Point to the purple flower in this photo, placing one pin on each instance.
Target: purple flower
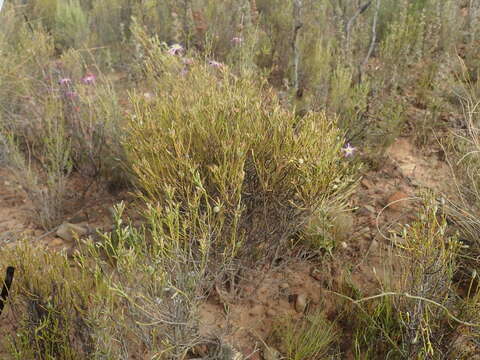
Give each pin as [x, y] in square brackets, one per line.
[215, 64]
[237, 40]
[348, 150]
[65, 81]
[175, 49]
[89, 79]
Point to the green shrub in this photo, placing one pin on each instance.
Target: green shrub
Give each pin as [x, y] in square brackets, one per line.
[51, 301]
[413, 323]
[71, 24]
[309, 338]
[258, 167]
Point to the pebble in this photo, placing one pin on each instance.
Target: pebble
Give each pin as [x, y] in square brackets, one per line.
[271, 313]
[68, 231]
[284, 286]
[301, 303]
[370, 208]
[57, 242]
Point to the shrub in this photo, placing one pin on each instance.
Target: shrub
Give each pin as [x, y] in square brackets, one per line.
[309, 338]
[260, 169]
[51, 304]
[159, 279]
[413, 323]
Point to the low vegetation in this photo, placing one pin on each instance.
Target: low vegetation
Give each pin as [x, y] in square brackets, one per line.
[241, 130]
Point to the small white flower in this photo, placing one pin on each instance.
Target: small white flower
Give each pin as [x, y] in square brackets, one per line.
[216, 209]
[300, 161]
[349, 150]
[175, 49]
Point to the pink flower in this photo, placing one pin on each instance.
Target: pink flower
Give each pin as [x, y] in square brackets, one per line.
[175, 49]
[65, 81]
[89, 79]
[348, 150]
[216, 64]
[237, 40]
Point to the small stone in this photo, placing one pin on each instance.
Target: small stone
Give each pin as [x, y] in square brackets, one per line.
[344, 245]
[256, 310]
[284, 286]
[201, 350]
[57, 242]
[68, 231]
[301, 303]
[370, 208]
[271, 313]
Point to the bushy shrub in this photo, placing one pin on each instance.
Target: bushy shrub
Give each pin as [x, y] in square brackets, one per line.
[51, 304]
[310, 338]
[414, 322]
[259, 168]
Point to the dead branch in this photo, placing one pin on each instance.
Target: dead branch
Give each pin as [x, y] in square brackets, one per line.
[350, 22]
[297, 24]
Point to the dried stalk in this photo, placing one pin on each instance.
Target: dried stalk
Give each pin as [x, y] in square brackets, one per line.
[297, 24]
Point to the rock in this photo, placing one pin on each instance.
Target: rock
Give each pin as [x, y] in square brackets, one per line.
[271, 313]
[69, 232]
[256, 310]
[397, 201]
[201, 350]
[370, 209]
[284, 286]
[55, 243]
[301, 303]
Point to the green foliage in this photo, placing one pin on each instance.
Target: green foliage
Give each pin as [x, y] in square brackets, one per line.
[71, 24]
[228, 167]
[408, 320]
[52, 300]
[310, 338]
[160, 275]
[207, 131]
